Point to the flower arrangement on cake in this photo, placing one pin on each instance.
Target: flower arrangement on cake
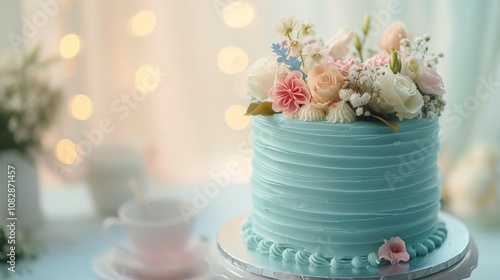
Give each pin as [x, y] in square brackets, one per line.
[316, 198]
[311, 81]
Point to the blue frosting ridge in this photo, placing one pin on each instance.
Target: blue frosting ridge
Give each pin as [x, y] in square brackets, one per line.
[335, 191]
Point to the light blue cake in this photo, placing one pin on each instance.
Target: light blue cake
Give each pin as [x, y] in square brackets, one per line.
[330, 194]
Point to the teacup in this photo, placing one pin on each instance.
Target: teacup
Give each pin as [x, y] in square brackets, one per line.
[157, 229]
[109, 171]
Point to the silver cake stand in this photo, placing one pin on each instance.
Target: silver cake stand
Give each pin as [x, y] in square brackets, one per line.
[455, 259]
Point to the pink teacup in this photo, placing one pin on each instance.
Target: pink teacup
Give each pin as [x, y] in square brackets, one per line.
[158, 231]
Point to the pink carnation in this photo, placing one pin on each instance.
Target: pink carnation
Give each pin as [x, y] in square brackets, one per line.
[429, 82]
[378, 60]
[289, 92]
[393, 250]
[343, 65]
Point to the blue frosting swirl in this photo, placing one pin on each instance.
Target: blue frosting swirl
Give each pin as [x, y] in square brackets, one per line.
[319, 260]
[360, 262]
[253, 241]
[429, 244]
[412, 252]
[289, 254]
[302, 257]
[373, 259]
[341, 262]
[264, 246]
[421, 249]
[276, 250]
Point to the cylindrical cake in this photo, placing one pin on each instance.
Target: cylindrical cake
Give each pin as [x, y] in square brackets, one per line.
[338, 190]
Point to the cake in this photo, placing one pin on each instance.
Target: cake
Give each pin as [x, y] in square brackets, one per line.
[327, 193]
[345, 150]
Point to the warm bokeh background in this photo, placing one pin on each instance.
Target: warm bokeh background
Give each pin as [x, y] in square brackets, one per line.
[170, 77]
[191, 57]
[158, 87]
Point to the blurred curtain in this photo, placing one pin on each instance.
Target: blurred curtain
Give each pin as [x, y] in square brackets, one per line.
[181, 126]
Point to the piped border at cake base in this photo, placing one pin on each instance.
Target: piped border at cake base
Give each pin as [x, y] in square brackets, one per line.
[291, 253]
[232, 248]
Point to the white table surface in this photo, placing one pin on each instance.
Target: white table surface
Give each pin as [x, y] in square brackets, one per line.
[73, 234]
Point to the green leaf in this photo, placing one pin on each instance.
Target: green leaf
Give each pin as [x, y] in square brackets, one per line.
[394, 61]
[357, 42]
[394, 125]
[366, 23]
[260, 108]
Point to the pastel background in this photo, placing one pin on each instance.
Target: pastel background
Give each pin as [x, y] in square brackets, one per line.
[155, 92]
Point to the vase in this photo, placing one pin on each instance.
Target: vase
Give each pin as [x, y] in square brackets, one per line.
[27, 193]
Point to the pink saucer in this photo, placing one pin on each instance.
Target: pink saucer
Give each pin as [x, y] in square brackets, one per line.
[187, 265]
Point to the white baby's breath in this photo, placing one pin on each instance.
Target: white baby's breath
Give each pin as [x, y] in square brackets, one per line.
[359, 111]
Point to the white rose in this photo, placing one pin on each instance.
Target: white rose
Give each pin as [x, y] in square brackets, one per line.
[411, 67]
[400, 92]
[261, 76]
[339, 44]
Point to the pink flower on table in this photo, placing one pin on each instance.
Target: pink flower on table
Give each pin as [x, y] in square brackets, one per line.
[429, 82]
[378, 60]
[343, 65]
[393, 250]
[392, 36]
[289, 92]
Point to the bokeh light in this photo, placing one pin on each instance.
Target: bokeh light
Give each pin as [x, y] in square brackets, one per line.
[147, 77]
[66, 151]
[143, 23]
[81, 107]
[238, 14]
[69, 46]
[232, 60]
[236, 118]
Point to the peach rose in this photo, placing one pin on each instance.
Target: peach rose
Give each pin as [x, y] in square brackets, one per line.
[392, 36]
[324, 83]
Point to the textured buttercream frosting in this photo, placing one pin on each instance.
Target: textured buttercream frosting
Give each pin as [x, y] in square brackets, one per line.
[329, 193]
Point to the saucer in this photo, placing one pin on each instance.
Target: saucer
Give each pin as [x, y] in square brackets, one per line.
[112, 264]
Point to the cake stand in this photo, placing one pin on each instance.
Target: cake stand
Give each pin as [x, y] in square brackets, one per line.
[455, 259]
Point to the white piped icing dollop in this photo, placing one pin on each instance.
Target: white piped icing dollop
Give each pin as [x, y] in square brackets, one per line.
[310, 113]
[340, 112]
